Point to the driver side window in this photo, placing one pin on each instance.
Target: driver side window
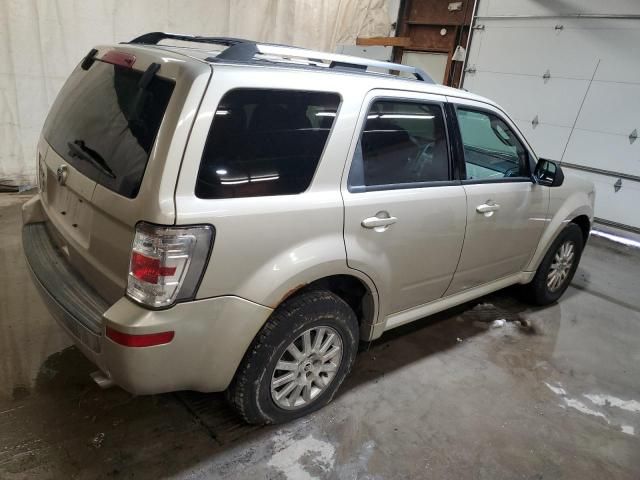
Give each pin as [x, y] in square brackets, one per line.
[491, 149]
[403, 144]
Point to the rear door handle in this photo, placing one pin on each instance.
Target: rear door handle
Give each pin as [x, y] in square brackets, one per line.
[378, 222]
[488, 208]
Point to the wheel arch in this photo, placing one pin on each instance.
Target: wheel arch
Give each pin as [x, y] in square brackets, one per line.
[585, 226]
[354, 291]
[580, 215]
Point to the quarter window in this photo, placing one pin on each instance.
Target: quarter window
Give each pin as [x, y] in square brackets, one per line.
[491, 149]
[403, 144]
[265, 142]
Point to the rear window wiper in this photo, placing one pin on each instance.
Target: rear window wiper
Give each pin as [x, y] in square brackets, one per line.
[78, 149]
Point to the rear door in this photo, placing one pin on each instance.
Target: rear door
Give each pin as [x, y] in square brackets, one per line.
[506, 211]
[110, 152]
[404, 213]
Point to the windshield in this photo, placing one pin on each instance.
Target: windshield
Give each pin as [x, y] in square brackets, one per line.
[104, 124]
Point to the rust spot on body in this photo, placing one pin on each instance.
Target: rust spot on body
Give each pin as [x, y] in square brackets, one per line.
[290, 293]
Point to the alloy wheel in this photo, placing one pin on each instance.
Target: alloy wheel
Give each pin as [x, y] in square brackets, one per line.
[561, 266]
[306, 368]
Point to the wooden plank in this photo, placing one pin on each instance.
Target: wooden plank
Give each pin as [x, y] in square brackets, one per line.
[436, 12]
[384, 41]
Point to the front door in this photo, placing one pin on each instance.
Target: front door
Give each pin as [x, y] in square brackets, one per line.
[506, 211]
[404, 214]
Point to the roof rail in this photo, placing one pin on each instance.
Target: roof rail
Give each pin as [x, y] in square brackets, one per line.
[240, 50]
[153, 38]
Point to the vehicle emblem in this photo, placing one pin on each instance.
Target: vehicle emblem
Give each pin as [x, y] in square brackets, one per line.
[61, 174]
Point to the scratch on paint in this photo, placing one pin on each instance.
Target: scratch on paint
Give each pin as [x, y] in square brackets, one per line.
[11, 409]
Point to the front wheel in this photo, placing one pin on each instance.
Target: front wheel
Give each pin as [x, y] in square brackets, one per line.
[557, 267]
[298, 360]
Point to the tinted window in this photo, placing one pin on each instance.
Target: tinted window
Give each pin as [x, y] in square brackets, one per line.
[491, 150]
[402, 143]
[105, 125]
[265, 142]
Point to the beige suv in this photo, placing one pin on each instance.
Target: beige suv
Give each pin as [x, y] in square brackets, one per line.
[226, 215]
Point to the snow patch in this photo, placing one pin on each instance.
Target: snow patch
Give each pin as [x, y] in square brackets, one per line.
[600, 400]
[558, 390]
[603, 400]
[628, 429]
[581, 407]
[304, 459]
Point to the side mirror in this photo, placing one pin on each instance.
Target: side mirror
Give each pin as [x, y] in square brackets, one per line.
[548, 173]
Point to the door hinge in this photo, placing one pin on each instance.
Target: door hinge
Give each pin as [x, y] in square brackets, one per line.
[480, 26]
[617, 186]
[535, 121]
[546, 75]
[470, 70]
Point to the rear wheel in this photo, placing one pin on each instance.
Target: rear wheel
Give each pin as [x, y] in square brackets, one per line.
[557, 267]
[299, 359]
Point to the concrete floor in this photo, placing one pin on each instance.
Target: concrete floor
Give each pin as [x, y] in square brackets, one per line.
[555, 393]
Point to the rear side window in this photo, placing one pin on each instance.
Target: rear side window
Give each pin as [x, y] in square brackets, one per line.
[403, 144]
[265, 142]
[104, 124]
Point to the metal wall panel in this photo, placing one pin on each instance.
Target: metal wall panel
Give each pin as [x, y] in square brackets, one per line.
[586, 106]
[532, 50]
[547, 140]
[526, 97]
[555, 7]
[605, 151]
[620, 207]
[611, 107]
[374, 52]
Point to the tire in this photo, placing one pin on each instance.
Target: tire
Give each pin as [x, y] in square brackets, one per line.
[318, 313]
[538, 291]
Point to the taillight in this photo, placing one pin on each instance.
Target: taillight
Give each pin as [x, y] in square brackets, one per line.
[167, 263]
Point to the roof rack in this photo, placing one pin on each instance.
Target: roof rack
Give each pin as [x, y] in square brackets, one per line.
[240, 50]
[153, 38]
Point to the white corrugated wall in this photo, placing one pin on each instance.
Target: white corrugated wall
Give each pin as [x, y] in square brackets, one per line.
[42, 40]
[586, 108]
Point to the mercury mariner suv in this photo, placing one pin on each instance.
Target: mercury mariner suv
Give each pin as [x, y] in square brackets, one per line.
[217, 214]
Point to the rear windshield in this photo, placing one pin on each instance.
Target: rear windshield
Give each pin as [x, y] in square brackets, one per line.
[265, 142]
[104, 124]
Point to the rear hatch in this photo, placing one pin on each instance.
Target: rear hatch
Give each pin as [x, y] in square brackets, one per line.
[110, 153]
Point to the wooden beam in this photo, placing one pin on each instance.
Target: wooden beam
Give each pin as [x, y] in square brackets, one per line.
[384, 41]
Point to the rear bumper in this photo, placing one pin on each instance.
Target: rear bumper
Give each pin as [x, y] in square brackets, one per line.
[211, 335]
[76, 307]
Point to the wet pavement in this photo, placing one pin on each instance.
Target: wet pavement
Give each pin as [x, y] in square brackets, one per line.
[547, 393]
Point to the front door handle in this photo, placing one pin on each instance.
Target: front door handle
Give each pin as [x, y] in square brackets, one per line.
[488, 208]
[379, 222]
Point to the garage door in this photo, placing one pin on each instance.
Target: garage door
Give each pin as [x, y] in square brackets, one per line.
[569, 74]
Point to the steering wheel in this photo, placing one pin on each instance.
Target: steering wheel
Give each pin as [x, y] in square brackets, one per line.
[512, 172]
[418, 161]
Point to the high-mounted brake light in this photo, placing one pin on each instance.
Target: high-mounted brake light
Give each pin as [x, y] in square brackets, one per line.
[119, 58]
[167, 263]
